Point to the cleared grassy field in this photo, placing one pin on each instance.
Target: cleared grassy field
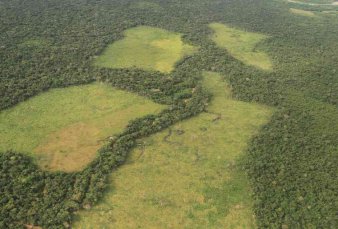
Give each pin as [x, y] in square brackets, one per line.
[302, 12]
[188, 176]
[241, 45]
[314, 2]
[146, 48]
[63, 128]
[318, 1]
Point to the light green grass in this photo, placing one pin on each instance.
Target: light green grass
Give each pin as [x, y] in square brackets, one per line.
[314, 2]
[63, 128]
[318, 1]
[189, 178]
[330, 12]
[146, 48]
[241, 45]
[302, 12]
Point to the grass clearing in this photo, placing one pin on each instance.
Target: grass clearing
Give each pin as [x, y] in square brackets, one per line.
[241, 45]
[146, 48]
[63, 128]
[302, 12]
[315, 2]
[319, 1]
[188, 176]
[330, 12]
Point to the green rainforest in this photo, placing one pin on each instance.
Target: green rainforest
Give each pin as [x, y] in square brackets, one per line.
[168, 114]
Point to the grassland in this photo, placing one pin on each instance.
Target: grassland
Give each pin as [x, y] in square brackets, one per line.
[314, 2]
[319, 1]
[314, 8]
[63, 128]
[330, 12]
[189, 176]
[146, 48]
[302, 12]
[241, 45]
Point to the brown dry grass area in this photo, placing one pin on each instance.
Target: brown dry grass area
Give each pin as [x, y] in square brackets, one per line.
[27, 226]
[71, 148]
[75, 146]
[62, 129]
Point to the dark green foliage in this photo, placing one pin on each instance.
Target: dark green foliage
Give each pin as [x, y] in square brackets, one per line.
[292, 163]
[294, 170]
[27, 193]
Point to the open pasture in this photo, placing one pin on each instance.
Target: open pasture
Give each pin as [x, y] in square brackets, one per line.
[242, 45]
[63, 128]
[302, 12]
[189, 176]
[315, 2]
[146, 48]
[311, 7]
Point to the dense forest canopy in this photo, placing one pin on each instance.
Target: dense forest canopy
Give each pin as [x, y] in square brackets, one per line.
[292, 162]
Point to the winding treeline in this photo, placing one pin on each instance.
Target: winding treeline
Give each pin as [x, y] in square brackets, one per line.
[292, 163]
